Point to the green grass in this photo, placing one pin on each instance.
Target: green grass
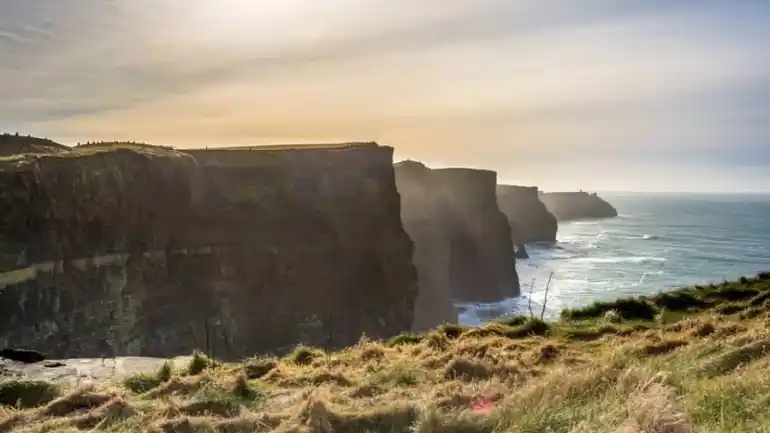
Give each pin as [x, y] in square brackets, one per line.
[141, 383]
[27, 393]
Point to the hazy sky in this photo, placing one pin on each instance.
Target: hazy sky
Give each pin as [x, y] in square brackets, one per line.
[592, 94]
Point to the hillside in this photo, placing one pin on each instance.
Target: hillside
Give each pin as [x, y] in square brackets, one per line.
[685, 361]
[12, 144]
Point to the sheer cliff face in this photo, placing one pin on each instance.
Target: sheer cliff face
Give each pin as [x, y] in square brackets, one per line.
[567, 206]
[322, 255]
[529, 219]
[80, 235]
[463, 243]
[482, 262]
[422, 210]
[232, 251]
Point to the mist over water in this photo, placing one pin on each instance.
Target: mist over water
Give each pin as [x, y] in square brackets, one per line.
[658, 242]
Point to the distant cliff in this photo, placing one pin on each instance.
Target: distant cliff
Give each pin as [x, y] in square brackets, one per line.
[424, 213]
[482, 262]
[567, 206]
[137, 250]
[529, 219]
[13, 144]
[463, 248]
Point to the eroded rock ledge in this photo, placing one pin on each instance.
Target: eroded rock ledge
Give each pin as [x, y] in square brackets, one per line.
[568, 206]
[529, 219]
[463, 248]
[134, 250]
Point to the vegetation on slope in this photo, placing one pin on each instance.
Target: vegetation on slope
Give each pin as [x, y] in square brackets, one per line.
[12, 144]
[119, 144]
[298, 146]
[693, 360]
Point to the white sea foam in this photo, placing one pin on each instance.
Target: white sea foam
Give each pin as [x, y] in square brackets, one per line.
[620, 259]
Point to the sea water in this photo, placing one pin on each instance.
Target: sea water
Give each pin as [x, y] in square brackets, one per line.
[658, 242]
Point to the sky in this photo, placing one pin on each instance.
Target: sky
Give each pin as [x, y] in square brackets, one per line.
[631, 95]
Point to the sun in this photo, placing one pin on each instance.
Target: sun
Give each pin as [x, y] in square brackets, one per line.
[256, 14]
[254, 23]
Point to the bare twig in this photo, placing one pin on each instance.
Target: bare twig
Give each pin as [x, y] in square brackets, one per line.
[208, 342]
[328, 331]
[545, 297]
[529, 298]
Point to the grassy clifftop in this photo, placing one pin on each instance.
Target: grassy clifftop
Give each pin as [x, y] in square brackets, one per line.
[12, 144]
[693, 360]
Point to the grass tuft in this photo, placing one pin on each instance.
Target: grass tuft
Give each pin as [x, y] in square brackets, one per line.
[22, 393]
[304, 355]
[144, 382]
[198, 363]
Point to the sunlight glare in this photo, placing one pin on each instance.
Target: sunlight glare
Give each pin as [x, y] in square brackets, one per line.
[252, 20]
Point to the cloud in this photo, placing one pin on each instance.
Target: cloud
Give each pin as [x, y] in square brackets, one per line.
[486, 83]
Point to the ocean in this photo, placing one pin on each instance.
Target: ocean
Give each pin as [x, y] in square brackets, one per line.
[658, 242]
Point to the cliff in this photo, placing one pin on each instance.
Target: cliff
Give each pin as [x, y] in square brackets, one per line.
[567, 206]
[482, 263]
[462, 239]
[529, 219]
[322, 255]
[13, 144]
[135, 250]
[423, 213]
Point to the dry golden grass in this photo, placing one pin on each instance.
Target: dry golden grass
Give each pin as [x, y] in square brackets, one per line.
[705, 371]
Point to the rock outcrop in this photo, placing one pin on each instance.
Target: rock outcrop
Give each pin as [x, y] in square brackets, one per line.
[462, 240]
[144, 251]
[568, 206]
[529, 219]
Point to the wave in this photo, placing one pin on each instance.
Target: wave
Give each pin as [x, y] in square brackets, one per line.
[582, 223]
[641, 238]
[621, 259]
[642, 279]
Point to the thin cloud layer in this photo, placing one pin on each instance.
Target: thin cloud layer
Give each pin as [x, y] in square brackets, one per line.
[545, 92]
